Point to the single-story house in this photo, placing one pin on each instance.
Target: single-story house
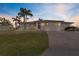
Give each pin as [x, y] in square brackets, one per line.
[46, 25]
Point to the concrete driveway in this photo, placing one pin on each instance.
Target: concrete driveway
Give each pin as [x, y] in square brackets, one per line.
[62, 43]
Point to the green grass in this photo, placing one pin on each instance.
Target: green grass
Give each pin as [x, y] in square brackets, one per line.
[23, 43]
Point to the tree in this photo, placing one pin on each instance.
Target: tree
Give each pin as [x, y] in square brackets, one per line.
[40, 19]
[17, 21]
[4, 22]
[24, 13]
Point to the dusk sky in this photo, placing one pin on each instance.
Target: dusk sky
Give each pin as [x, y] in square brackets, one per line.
[49, 11]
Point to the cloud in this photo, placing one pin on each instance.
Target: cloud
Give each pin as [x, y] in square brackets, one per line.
[61, 8]
[76, 21]
[54, 11]
[50, 11]
[8, 17]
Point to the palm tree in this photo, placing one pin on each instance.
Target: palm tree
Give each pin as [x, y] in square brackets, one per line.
[24, 13]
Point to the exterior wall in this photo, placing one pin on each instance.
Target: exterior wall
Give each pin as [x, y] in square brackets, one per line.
[44, 26]
[31, 26]
[28, 26]
[36, 26]
[54, 26]
[50, 26]
[21, 27]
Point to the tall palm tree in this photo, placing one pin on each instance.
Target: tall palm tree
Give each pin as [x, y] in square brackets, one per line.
[24, 13]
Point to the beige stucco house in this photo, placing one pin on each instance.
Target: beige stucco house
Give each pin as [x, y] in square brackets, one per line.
[46, 25]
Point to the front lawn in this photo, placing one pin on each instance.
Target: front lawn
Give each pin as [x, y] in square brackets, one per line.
[23, 43]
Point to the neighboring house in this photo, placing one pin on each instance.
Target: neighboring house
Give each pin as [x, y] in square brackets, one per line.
[46, 25]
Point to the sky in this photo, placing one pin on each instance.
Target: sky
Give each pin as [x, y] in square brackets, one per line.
[46, 11]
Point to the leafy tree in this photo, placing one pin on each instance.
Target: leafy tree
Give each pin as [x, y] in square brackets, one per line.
[17, 21]
[5, 22]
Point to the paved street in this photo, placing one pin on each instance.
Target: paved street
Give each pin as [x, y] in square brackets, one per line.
[62, 44]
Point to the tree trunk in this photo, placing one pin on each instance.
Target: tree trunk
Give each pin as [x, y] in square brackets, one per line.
[24, 24]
